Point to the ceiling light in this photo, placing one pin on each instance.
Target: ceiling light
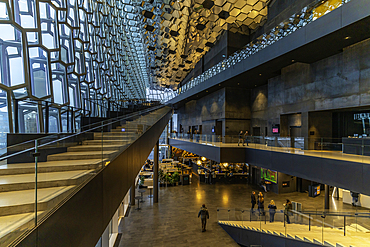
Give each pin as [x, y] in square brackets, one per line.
[348, 37]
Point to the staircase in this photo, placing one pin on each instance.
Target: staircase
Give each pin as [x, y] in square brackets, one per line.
[316, 236]
[59, 175]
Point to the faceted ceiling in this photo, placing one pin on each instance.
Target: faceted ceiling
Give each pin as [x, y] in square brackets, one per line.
[177, 34]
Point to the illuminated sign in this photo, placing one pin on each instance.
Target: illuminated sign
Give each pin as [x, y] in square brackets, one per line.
[269, 175]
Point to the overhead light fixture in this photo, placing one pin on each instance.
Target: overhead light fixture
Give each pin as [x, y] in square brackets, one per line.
[260, 74]
[348, 37]
[293, 60]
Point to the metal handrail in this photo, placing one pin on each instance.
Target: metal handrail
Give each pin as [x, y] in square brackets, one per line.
[100, 125]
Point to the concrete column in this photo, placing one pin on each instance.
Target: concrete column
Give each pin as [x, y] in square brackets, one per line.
[326, 196]
[155, 175]
[305, 129]
[132, 194]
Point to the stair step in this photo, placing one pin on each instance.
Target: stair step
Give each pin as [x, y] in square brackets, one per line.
[84, 148]
[51, 166]
[81, 155]
[106, 142]
[19, 202]
[110, 137]
[327, 243]
[9, 224]
[44, 180]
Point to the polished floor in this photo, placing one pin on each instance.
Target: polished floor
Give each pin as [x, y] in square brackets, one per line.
[173, 221]
[337, 155]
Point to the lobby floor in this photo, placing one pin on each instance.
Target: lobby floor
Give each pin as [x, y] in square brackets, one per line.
[173, 221]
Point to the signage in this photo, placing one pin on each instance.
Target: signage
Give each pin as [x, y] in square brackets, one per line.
[269, 175]
[275, 130]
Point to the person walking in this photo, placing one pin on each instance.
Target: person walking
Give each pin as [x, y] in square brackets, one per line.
[253, 200]
[204, 215]
[260, 204]
[272, 210]
[240, 137]
[245, 140]
[287, 209]
[206, 176]
[213, 178]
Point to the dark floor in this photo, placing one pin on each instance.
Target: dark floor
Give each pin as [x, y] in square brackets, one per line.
[173, 221]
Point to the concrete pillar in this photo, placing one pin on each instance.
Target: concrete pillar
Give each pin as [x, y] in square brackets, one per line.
[155, 175]
[327, 196]
[305, 129]
[132, 194]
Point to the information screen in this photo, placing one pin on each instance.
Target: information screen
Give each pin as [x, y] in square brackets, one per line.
[275, 130]
[269, 175]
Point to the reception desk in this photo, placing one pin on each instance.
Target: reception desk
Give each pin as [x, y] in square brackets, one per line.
[359, 146]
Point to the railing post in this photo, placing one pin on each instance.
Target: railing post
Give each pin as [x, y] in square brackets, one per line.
[309, 222]
[344, 223]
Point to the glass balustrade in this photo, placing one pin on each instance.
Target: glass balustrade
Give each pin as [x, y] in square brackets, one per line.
[350, 149]
[343, 228]
[39, 175]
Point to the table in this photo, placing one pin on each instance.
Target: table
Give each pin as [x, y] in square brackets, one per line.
[138, 202]
[141, 192]
[150, 191]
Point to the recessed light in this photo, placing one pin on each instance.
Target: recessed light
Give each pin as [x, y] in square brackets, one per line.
[293, 60]
[206, 91]
[219, 85]
[238, 83]
[255, 85]
[348, 37]
[260, 74]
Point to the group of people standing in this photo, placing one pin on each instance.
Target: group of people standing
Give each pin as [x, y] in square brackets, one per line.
[243, 138]
[272, 207]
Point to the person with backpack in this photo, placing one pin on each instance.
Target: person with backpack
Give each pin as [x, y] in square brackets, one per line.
[204, 215]
[261, 204]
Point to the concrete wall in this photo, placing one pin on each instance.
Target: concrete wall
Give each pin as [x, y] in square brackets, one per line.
[229, 105]
[338, 82]
[204, 111]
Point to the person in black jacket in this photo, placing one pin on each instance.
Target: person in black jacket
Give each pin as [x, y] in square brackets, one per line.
[272, 210]
[253, 200]
[204, 215]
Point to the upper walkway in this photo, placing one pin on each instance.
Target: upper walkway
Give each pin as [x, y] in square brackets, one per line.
[323, 166]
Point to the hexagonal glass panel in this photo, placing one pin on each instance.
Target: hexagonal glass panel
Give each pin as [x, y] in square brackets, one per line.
[11, 48]
[39, 72]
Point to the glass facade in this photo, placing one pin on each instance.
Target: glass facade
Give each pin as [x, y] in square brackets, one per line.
[62, 59]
